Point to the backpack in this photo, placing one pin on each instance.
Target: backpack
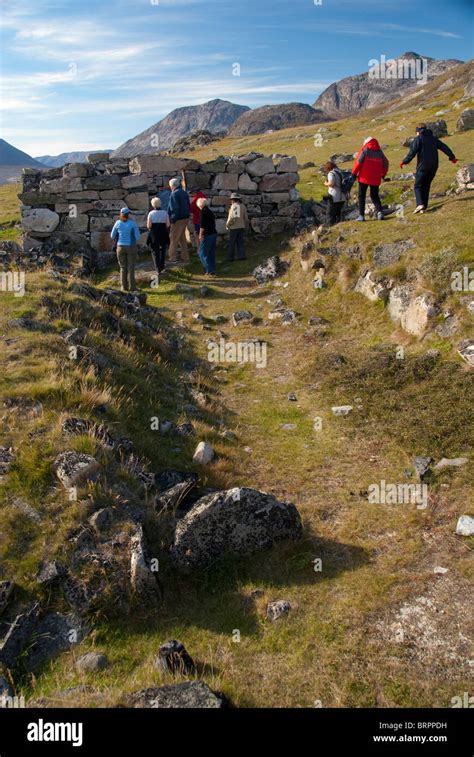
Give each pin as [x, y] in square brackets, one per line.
[346, 180]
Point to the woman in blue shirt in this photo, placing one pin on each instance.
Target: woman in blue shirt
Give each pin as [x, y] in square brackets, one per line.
[126, 235]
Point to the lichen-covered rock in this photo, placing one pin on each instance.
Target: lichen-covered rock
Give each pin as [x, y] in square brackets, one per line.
[18, 635]
[72, 467]
[51, 571]
[465, 526]
[278, 609]
[203, 454]
[174, 658]
[241, 316]
[389, 253]
[187, 695]
[466, 120]
[465, 178]
[143, 580]
[55, 634]
[7, 457]
[373, 287]
[271, 269]
[92, 662]
[235, 522]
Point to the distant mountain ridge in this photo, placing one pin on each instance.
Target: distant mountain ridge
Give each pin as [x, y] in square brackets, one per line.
[56, 161]
[274, 118]
[359, 92]
[213, 116]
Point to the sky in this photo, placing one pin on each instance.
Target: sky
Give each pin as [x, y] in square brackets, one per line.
[90, 74]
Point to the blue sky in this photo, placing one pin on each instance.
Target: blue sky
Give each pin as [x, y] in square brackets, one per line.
[87, 74]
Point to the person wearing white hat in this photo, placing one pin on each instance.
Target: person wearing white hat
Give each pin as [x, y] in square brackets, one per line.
[207, 237]
[158, 239]
[237, 222]
[126, 234]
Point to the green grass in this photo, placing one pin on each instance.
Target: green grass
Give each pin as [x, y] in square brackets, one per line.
[374, 557]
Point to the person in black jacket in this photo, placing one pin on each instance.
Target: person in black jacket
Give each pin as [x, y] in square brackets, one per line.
[425, 146]
[158, 224]
[207, 237]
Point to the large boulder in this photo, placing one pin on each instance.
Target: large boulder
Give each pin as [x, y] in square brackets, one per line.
[235, 523]
[54, 634]
[466, 120]
[188, 695]
[278, 182]
[260, 167]
[413, 312]
[40, 221]
[18, 635]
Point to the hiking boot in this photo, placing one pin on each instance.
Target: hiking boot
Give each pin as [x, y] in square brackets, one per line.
[379, 216]
[360, 218]
[419, 209]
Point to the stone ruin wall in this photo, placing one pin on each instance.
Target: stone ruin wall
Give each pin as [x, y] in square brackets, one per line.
[74, 207]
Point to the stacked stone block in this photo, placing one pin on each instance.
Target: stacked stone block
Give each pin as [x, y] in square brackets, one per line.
[80, 202]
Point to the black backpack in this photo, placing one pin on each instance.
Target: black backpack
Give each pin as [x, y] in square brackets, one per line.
[346, 179]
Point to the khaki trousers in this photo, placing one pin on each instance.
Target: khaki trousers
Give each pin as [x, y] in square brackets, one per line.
[178, 239]
[127, 259]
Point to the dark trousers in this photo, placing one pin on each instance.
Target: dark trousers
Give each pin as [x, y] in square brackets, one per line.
[207, 252]
[423, 179]
[374, 196]
[158, 254]
[237, 240]
[334, 211]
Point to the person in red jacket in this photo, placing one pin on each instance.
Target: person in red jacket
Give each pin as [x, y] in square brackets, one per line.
[370, 166]
[196, 215]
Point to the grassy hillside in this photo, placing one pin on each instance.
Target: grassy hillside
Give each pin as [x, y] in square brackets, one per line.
[338, 647]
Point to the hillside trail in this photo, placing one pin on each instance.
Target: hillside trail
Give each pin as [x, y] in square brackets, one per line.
[278, 446]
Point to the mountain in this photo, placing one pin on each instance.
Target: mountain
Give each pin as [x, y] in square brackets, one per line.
[12, 156]
[12, 160]
[274, 118]
[56, 161]
[213, 116]
[355, 93]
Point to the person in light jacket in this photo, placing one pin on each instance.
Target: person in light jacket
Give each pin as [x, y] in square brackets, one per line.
[237, 222]
[126, 234]
[336, 197]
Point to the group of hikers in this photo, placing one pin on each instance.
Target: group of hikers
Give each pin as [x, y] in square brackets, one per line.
[168, 226]
[168, 223]
[371, 166]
